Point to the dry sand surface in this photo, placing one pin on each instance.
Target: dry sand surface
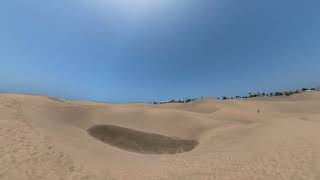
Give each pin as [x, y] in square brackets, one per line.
[43, 138]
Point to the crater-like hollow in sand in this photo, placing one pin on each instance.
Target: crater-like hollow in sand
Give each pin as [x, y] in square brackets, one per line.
[140, 142]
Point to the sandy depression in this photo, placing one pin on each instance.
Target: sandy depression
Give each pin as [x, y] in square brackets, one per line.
[43, 138]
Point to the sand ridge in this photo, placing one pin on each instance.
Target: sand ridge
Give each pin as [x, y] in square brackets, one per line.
[46, 138]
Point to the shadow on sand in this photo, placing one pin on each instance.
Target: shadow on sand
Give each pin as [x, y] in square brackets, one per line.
[140, 142]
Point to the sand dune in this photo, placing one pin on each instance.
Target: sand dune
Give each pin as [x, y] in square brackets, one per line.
[47, 138]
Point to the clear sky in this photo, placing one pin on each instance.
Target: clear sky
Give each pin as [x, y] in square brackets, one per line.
[146, 50]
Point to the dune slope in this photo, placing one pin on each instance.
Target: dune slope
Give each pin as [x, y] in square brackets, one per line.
[46, 138]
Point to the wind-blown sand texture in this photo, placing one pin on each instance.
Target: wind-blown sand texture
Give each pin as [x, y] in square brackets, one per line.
[49, 139]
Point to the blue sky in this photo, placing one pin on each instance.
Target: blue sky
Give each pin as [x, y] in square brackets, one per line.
[146, 50]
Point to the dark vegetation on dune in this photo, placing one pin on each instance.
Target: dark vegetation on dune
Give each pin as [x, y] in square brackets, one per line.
[251, 95]
[140, 142]
[285, 93]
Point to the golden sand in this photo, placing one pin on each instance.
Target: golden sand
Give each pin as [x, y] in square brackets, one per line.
[48, 139]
